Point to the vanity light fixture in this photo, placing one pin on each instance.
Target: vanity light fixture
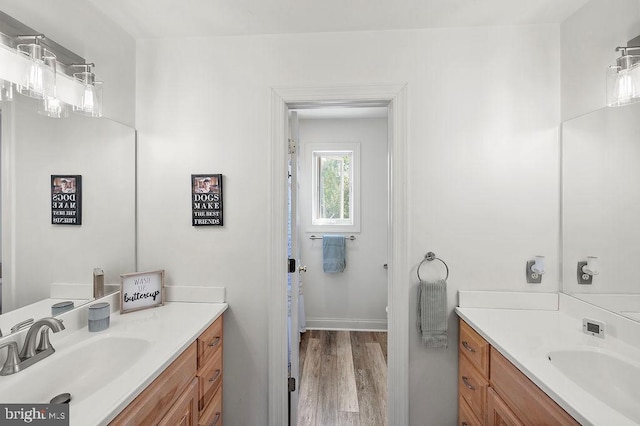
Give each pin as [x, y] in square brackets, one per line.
[588, 269]
[623, 79]
[38, 67]
[535, 269]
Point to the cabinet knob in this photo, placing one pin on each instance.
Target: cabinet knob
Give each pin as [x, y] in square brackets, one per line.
[215, 342]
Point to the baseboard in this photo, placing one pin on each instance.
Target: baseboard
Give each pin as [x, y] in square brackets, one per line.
[346, 324]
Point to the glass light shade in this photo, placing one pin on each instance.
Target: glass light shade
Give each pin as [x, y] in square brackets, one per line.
[91, 101]
[38, 80]
[53, 107]
[6, 90]
[623, 83]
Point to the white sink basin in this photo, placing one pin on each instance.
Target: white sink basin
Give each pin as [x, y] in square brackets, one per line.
[608, 377]
[78, 369]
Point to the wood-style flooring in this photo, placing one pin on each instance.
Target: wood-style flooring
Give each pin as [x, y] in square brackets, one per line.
[343, 378]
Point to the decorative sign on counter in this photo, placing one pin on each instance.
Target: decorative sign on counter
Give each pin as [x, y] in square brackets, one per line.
[206, 200]
[141, 290]
[66, 199]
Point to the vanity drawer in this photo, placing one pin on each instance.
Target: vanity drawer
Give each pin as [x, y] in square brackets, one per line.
[475, 348]
[212, 415]
[472, 387]
[466, 417]
[529, 403]
[209, 379]
[209, 342]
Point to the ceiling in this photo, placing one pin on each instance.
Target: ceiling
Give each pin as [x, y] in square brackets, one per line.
[194, 18]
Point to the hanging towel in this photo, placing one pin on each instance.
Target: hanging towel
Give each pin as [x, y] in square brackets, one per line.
[432, 313]
[333, 253]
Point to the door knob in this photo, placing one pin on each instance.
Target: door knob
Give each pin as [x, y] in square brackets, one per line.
[302, 269]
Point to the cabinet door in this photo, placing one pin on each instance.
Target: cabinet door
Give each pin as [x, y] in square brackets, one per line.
[498, 414]
[524, 397]
[154, 402]
[184, 411]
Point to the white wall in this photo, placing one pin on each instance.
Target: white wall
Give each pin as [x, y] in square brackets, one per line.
[588, 41]
[357, 297]
[482, 176]
[79, 27]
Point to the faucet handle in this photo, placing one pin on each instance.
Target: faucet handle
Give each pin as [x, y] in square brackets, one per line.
[11, 365]
[44, 343]
[23, 324]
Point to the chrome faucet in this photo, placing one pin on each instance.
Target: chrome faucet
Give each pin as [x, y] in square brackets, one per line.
[30, 353]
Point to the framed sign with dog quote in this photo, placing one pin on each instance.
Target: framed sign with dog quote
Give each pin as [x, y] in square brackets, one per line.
[141, 290]
[206, 200]
[66, 200]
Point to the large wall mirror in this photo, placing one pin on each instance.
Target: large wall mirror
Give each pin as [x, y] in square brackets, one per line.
[37, 254]
[601, 206]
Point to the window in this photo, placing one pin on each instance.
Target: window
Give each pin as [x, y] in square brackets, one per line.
[335, 187]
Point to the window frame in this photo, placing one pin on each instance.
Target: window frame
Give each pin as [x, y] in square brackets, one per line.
[341, 225]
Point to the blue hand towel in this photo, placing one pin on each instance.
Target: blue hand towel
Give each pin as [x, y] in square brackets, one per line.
[333, 253]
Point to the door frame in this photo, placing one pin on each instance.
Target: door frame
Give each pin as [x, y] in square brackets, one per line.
[398, 276]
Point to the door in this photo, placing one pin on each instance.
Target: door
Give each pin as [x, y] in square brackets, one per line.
[293, 288]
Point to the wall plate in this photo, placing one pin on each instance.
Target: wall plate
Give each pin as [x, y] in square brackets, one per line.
[532, 277]
[593, 327]
[584, 278]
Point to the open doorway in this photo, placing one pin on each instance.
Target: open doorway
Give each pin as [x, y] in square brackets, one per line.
[395, 97]
[340, 193]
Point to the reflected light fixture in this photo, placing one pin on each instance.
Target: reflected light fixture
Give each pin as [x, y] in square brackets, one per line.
[38, 77]
[91, 100]
[51, 106]
[36, 66]
[623, 79]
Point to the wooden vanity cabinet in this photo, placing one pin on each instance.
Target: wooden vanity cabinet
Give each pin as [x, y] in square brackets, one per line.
[502, 395]
[188, 392]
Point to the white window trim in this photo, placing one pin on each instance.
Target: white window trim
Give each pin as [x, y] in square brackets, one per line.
[355, 196]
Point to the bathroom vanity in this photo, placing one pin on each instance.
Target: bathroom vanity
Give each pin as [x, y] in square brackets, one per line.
[526, 364]
[161, 365]
[188, 392]
[493, 391]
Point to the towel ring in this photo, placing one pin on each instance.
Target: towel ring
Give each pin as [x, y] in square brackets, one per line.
[429, 257]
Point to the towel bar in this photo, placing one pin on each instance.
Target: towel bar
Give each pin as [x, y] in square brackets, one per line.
[313, 237]
[429, 257]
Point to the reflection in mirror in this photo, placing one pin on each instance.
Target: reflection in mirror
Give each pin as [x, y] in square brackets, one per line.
[601, 207]
[42, 263]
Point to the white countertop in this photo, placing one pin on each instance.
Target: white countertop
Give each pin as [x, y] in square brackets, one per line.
[525, 337]
[166, 331]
